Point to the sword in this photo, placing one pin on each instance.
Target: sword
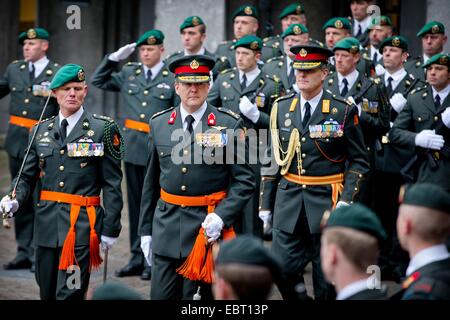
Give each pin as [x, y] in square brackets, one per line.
[12, 195]
[105, 266]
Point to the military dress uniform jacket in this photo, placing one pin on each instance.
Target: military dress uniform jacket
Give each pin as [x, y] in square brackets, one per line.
[273, 47]
[276, 69]
[27, 101]
[141, 100]
[226, 92]
[392, 158]
[199, 170]
[226, 49]
[414, 66]
[431, 282]
[222, 63]
[420, 114]
[375, 107]
[369, 294]
[324, 156]
[55, 169]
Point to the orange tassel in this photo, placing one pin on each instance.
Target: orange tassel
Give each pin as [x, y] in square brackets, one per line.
[95, 260]
[68, 251]
[192, 266]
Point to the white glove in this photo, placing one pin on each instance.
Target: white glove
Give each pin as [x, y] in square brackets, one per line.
[379, 70]
[123, 52]
[341, 204]
[107, 242]
[248, 109]
[428, 139]
[352, 100]
[398, 102]
[146, 246]
[213, 225]
[446, 117]
[265, 216]
[9, 206]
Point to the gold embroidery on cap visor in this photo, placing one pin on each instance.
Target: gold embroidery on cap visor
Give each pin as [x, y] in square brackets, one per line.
[151, 40]
[193, 79]
[254, 45]
[31, 34]
[248, 11]
[81, 76]
[306, 65]
[297, 30]
[338, 24]
[194, 64]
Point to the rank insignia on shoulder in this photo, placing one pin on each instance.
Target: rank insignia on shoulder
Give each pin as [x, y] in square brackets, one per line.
[211, 139]
[326, 106]
[85, 149]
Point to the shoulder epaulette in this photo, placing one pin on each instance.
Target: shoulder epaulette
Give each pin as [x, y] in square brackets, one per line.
[173, 54]
[102, 117]
[16, 61]
[161, 112]
[229, 112]
[339, 98]
[418, 89]
[45, 120]
[275, 59]
[227, 70]
[287, 96]
[133, 64]
[223, 59]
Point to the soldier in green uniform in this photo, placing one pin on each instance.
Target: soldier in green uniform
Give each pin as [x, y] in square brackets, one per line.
[27, 82]
[273, 46]
[423, 226]
[246, 90]
[193, 35]
[146, 88]
[424, 124]
[318, 144]
[75, 157]
[337, 29]
[390, 159]
[433, 41]
[281, 67]
[245, 22]
[349, 247]
[369, 95]
[187, 173]
[380, 29]
[361, 20]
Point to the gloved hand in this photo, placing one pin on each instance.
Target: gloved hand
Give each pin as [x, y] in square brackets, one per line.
[428, 139]
[398, 102]
[352, 100]
[265, 216]
[9, 206]
[446, 117]
[379, 70]
[248, 109]
[213, 225]
[146, 247]
[107, 242]
[123, 52]
[341, 204]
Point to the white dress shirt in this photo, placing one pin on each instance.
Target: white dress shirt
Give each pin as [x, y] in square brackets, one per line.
[71, 120]
[251, 75]
[197, 115]
[442, 94]
[352, 289]
[312, 102]
[201, 51]
[397, 77]
[155, 69]
[427, 256]
[39, 66]
[351, 79]
[364, 25]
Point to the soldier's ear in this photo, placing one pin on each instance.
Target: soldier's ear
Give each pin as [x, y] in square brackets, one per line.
[258, 55]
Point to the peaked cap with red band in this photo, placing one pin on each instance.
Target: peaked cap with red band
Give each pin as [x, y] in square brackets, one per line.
[310, 57]
[192, 69]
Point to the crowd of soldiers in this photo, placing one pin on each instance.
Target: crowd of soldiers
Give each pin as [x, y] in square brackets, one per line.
[351, 141]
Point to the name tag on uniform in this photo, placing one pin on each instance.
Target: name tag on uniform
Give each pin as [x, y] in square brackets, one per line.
[42, 89]
[329, 129]
[85, 149]
[369, 106]
[211, 139]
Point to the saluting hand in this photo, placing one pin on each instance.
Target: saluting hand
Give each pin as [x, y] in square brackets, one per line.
[248, 109]
[123, 52]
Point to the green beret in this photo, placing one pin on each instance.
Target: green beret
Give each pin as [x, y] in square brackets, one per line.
[249, 42]
[151, 37]
[427, 195]
[358, 217]
[68, 73]
[246, 11]
[380, 21]
[295, 8]
[115, 291]
[192, 68]
[338, 23]
[248, 250]
[349, 44]
[192, 21]
[395, 41]
[294, 29]
[33, 33]
[431, 27]
[440, 58]
[308, 57]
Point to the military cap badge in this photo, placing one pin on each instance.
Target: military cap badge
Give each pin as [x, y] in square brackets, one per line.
[151, 40]
[338, 24]
[435, 29]
[195, 21]
[297, 30]
[303, 53]
[298, 10]
[443, 60]
[353, 49]
[31, 34]
[194, 64]
[248, 11]
[396, 42]
[81, 75]
[254, 45]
